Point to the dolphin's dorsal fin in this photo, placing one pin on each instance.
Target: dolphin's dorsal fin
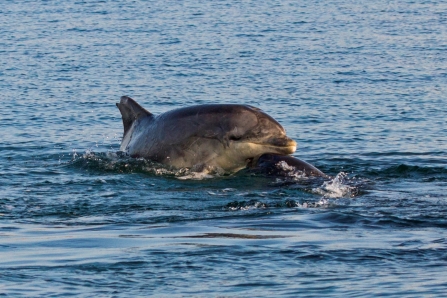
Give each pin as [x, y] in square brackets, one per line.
[130, 111]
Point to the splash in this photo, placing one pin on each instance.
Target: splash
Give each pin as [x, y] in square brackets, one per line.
[205, 172]
[338, 187]
[291, 171]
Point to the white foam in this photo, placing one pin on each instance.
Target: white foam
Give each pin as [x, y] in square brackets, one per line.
[336, 187]
[207, 172]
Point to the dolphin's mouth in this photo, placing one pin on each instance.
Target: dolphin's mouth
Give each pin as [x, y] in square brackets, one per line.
[281, 141]
[284, 150]
[281, 145]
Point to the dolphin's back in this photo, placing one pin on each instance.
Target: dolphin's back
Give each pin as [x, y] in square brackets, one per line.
[224, 136]
[269, 164]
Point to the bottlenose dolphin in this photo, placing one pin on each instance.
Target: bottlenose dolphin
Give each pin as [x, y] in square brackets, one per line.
[227, 136]
[284, 165]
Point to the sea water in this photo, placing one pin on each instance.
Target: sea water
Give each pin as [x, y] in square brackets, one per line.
[360, 85]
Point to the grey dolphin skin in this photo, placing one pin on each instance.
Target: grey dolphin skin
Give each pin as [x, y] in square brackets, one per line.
[228, 136]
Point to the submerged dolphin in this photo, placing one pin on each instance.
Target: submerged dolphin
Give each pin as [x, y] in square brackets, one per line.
[228, 136]
[284, 165]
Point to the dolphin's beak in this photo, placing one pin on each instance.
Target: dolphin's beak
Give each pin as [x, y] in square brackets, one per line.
[284, 145]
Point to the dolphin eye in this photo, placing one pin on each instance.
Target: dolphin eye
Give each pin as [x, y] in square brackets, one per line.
[235, 138]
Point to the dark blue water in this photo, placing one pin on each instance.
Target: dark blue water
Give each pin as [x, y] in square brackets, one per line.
[361, 86]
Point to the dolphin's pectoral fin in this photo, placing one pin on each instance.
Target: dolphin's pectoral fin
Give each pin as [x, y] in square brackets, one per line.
[225, 141]
[130, 111]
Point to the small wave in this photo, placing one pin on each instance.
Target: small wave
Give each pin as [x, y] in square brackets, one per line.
[323, 202]
[409, 171]
[234, 236]
[245, 205]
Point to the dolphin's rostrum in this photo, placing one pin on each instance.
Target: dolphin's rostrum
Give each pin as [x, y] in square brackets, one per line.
[227, 136]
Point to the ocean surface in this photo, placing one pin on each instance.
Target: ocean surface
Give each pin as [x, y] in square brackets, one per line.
[360, 85]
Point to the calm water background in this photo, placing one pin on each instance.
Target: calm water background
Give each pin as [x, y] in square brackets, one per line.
[361, 86]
